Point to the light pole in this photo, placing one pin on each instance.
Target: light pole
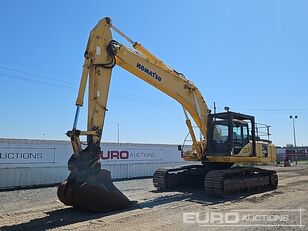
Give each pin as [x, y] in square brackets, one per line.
[294, 136]
[118, 132]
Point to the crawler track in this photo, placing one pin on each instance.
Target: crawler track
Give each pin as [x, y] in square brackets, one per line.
[237, 180]
[169, 178]
[217, 182]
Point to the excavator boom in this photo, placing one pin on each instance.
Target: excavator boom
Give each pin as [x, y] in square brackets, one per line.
[103, 53]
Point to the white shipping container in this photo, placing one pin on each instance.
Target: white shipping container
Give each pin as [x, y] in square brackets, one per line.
[25, 162]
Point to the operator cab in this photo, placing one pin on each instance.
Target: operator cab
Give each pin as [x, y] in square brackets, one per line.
[229, 132]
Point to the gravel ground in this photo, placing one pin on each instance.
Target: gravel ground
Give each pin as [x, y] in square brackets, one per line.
[40, 209]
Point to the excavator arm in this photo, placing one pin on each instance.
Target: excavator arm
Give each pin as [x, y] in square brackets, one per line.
[88, 186]
[102, 54]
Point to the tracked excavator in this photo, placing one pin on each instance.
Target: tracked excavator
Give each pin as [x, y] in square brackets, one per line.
[227, 138]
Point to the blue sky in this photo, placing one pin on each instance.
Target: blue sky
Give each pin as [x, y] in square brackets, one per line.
[248, 55]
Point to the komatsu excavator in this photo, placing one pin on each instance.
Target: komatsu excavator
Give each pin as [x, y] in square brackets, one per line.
[228, 138]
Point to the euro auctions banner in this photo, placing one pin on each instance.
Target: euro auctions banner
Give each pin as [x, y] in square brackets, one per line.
[16, 155]
[130, 154]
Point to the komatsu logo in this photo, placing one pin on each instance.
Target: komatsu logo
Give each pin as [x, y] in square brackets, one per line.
[149, 72]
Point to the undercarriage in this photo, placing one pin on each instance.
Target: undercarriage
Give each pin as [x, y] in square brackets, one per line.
[218, 180]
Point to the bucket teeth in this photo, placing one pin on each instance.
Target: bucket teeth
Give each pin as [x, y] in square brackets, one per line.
[97, 194]
[90, 188]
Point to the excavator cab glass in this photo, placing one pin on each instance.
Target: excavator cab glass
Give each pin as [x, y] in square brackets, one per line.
[229, 132]
[220, 137]
[240, 135]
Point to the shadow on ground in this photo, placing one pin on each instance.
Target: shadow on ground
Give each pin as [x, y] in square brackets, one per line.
[67, 216]
[57, 218]
[196, 195]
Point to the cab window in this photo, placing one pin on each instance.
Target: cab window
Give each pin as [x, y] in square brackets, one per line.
[220, 132]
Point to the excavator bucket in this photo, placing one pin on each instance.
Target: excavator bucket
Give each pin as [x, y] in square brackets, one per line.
[90, 188]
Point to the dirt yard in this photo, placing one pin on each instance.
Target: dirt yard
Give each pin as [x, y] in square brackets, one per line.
[40, 209]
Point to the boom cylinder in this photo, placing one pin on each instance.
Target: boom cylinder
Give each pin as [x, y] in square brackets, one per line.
[76, 117]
